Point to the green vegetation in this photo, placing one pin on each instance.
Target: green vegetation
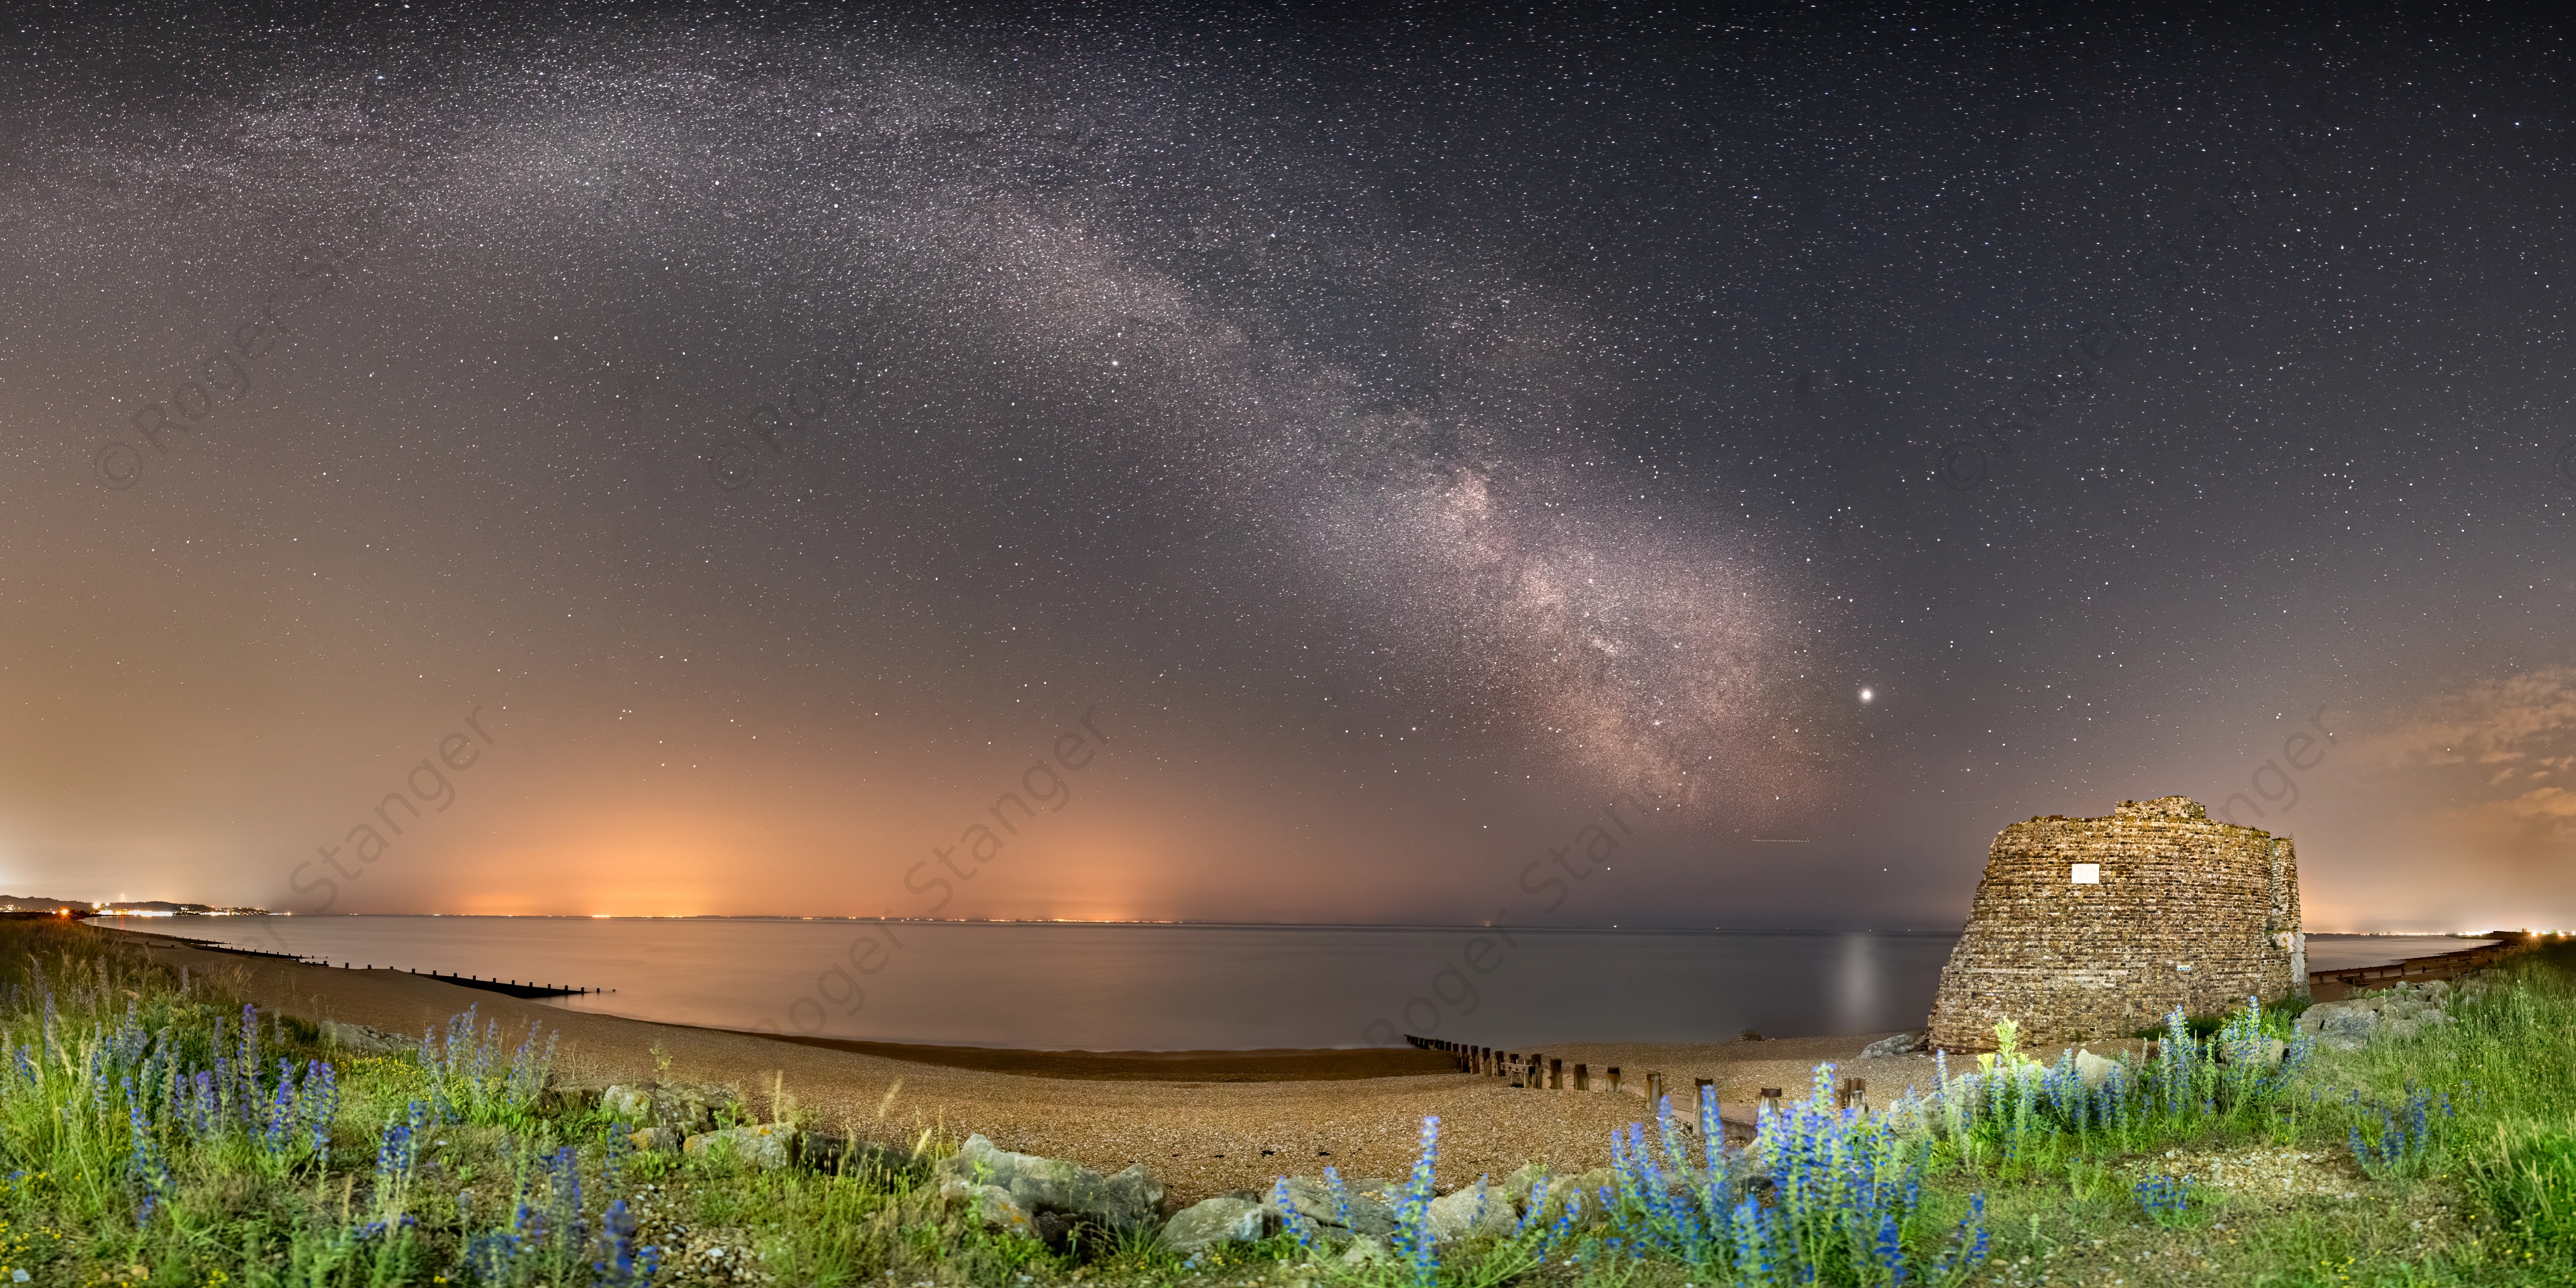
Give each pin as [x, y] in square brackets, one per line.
[155, 1131]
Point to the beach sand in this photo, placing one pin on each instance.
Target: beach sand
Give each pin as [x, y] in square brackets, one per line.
[1199, 1128]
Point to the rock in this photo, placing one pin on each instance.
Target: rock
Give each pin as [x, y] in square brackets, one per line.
[627, 1104]
[2402, 1027]
[992, 1206]
[1126, 1201]
[1213, 1221]
[2092, 1070]
[1370, 1215]
[2340, 1026]
[765, 1145]
[681, 1107]
[1481, 1208]
[1901, 1044]
[1584, 1188]
[1518, 1185]
[359, 1037]
[1367, 1251]
[655, 1140]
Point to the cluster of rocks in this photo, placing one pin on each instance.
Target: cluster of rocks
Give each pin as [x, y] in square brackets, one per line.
[1047, 1198]
[2399, 1012]
[691, 1119]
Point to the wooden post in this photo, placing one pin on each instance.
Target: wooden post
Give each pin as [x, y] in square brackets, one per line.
[1556, 1074]
[1700, 1088]
[1770, 1099]
[1654, 1088]
[1583, 1077]
[1614, 1077]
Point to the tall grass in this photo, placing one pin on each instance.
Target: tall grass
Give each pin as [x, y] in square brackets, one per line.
[2512, 1140]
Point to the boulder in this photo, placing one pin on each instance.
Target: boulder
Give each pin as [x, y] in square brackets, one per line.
[763, 1145]
[1901, 1044]
[1223, 1219]
[991, 1206]
[1371, 1212]
[1367, 1251]
[679, 1106]
[1583, 1189]
[655, 1140]
[627, 1104]
[1126, 1201]
[2092, 1070]
[1481, 1208]
[2341, 1026]
[359, 1037]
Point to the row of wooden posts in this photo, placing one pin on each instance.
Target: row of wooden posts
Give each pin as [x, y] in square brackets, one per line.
[1536, 1070]
[1543, 1072]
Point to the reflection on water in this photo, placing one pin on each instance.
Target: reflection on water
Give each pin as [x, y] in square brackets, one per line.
[1096, 987]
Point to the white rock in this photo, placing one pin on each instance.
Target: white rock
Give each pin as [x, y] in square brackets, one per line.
[2092, 1070]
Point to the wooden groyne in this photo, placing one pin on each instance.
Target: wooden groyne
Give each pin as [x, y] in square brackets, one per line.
[2335, 985]
[524, 989]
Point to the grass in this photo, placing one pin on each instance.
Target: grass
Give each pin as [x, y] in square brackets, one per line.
[154, 1132]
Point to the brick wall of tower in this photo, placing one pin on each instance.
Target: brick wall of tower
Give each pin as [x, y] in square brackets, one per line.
[2070, 961]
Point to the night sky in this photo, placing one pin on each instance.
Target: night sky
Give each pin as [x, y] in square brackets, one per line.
[1318, 461]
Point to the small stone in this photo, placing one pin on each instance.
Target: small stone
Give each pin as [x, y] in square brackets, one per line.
[1901, 1044]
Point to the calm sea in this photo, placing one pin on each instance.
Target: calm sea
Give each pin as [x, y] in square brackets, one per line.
[1175, 988]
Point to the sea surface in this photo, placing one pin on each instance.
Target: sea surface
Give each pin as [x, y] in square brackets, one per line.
[1062, 986]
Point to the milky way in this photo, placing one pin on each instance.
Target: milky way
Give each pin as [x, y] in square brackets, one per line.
[1419, 429]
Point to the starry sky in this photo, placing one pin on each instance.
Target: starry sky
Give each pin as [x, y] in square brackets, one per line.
[1395, 464]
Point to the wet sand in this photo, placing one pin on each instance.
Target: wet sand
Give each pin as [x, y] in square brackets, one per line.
[1190, 1117]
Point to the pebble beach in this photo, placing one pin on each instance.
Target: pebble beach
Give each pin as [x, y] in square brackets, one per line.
[1191, 1118]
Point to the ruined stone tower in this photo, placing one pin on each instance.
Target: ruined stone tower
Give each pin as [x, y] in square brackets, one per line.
[2096, 927]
